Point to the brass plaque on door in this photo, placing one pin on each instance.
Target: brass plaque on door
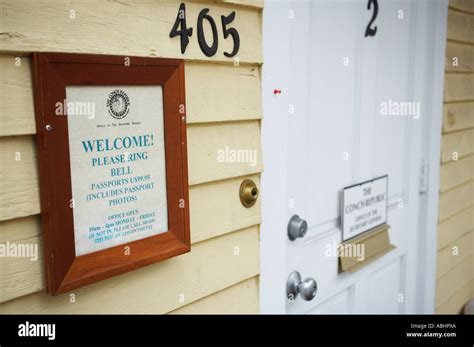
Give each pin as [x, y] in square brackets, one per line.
[357, 252]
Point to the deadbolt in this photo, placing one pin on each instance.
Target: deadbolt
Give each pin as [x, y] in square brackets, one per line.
[248, 193]
[297, 227]
[295, 286]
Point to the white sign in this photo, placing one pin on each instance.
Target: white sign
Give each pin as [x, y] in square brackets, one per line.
[118, 168]
[364, 207]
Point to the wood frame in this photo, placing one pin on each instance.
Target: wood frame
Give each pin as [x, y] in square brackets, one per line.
[52, 72]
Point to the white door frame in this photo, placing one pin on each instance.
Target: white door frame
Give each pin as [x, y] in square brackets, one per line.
[436, 29]
[275, 75]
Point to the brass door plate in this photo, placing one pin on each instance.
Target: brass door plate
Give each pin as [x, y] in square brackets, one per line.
[248, 193]
[375, 244]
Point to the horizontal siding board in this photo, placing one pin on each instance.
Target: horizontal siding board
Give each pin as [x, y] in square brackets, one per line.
[19, 179]
[461, 142]
[222, 92]
[20, 229]
[458, 87]
[455, 304]
[459, 57]
[210, 148]
[460, 26]
[250, 3]
[19, 187]
[126, 27]
[462, 5]
[213, 199]
[227, 301]
[16, 97]
[456, 172]
[458, 116]
[456, 278]
[210, 266]
[229, 93]
[22, 275]
[456, 200]
[215, 209]
[454, 227]
[455, 253]
[454, 271]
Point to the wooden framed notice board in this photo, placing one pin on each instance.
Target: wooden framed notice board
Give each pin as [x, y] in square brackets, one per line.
[111, 135]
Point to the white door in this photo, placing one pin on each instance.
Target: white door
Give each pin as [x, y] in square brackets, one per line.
[335, 123]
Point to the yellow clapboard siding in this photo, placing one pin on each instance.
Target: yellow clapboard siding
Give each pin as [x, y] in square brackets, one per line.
[458, 116]
[19, 179]
[126, 27]
[460, 26]
[210, 266]
[222, 92]
[456, 278]
[22, 275]
[227, 301]
[452, 228]
[215, 209]
[458, 87]
[456, 200]
[250, 3]
[459, 143]
[229, 93]
[463, 5]
[19, 187]
[455, 273]
[460, 54]
[219, 200]
[454, 253]
[210, 148]
[217, 90]
[20, 229]
[16, 97]
[456, 172]
[456, 302]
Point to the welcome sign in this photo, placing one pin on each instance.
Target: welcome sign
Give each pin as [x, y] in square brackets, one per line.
[118, 169]
[111, 136]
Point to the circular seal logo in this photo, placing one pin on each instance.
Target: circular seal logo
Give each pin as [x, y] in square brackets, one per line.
[118, 104]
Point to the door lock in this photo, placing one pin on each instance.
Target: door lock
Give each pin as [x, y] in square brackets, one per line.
[294, 286]
[297, 227]
[248, 193]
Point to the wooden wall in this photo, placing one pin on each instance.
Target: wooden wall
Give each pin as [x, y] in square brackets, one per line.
[223, 109]
[455, 263]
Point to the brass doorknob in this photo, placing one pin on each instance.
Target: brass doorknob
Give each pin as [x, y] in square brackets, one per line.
[248, 193]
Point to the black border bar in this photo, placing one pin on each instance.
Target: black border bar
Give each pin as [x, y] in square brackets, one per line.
[261, 329]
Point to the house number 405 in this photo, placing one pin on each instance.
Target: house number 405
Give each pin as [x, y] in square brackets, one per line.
[186, 32]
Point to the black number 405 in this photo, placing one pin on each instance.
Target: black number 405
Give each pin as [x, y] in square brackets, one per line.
[186, 32]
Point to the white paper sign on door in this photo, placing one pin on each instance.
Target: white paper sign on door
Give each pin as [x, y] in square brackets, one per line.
[364, 207]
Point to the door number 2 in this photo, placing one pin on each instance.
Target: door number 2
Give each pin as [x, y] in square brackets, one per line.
[208, 50]
[372, 31]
